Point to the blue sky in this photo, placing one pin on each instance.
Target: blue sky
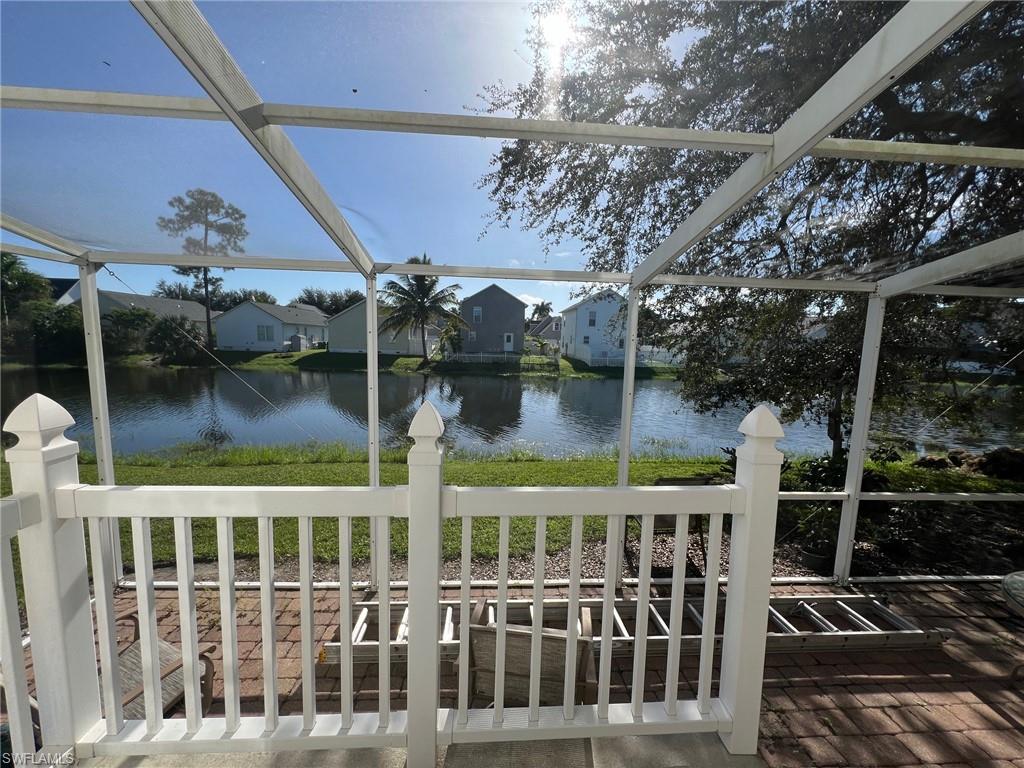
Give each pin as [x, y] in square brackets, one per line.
[103, 180]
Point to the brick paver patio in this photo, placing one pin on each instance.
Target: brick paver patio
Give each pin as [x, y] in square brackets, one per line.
[957, 704]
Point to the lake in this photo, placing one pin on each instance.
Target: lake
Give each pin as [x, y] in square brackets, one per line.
[155, 408]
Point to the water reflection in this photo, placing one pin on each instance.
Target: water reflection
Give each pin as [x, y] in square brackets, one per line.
[153, 408]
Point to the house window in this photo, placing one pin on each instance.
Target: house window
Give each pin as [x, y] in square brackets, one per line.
[264, 333]
[586, 339]
[478, 314]
[556, 325]
[622, 343]
[592, 319]
[472, 334]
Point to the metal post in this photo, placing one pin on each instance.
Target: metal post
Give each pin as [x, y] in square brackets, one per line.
[859, 436]
[372, 411]
[626, 420]
[98, 399]
[426, 468]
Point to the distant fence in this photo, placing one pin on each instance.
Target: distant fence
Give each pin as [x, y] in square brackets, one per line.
[494, 357]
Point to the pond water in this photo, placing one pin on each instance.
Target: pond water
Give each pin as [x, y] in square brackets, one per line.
[155, 408]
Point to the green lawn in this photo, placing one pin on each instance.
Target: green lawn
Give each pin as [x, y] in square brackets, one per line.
[346, 466]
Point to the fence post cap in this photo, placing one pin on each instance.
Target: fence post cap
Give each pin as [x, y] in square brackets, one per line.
[426, 424]
[38, 422]
[761, 422]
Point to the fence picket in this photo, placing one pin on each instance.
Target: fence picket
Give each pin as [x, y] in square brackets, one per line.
[228, 622]
[383, 525]
[709, 615]
[142, 547]
[345, 618]
[268, 622]
[306, 622]
[499, 645]
[12, 657]
[675, 620]
[572, 617]
[188, 622]
[643, 607]
[611, 568]
[537, 622]
[106, 633]
[464, 609]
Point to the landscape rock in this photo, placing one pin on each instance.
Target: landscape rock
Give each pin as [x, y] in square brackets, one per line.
[959, 456]
[1001, 463]
[933, 462]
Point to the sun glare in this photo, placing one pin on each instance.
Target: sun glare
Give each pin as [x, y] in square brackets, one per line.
[557, 30]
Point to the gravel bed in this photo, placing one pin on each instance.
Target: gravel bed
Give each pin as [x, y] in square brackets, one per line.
[556, 565]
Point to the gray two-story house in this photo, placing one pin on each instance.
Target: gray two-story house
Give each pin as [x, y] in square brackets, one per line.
[495, 321]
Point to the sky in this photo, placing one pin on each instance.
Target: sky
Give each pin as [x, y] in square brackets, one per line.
[103, 180]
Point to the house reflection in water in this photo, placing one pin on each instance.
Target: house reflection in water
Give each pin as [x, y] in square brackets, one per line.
[489, 407]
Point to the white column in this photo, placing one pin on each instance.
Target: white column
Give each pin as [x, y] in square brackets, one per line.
[55, 575]
[859, 436]
[626, 422]
[372, 409]
[426, 469]
[751, 551]
[98, 398]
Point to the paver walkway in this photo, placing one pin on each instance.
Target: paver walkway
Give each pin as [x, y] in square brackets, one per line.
[951, 705]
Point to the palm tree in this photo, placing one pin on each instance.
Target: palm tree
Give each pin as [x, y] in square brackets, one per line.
[541, 310]
[415, 301]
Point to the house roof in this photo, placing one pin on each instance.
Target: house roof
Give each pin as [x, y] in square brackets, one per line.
[382, 311]
[61, 285]
[494, 285]
[303, 314]
[161, 306]
[600, 294]
[542, 325]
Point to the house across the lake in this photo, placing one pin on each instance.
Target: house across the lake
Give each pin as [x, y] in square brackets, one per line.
[161, 306]
[253, 325]
[593, 329]
[347, 333]
[495, 322]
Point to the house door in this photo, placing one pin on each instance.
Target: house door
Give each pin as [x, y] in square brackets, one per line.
[509, 342]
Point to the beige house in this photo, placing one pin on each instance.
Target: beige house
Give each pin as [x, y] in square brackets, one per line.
[346, 332]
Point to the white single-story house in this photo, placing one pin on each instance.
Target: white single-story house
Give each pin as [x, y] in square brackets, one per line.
[161, 306]
[268, 327]
[593, 329]
[347, 333]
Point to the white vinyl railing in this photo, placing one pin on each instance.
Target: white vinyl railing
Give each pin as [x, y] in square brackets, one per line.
[44, 468]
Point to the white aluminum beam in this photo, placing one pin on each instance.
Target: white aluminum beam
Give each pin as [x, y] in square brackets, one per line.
[68, 247]
[39, 253]
[178, 107]
[101, 432]
[910, 35]
[497, 273]
[989, 255]
[184, 30]
[870, 349]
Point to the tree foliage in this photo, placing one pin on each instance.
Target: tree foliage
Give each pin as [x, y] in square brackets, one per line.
[415, 301]
[329, 302]
[541, 310]
[175, 340]
[225, 300]
[19, 284]
[220, 231]
[747, 66]
[125, 330]
[220, 300]
[46, 332]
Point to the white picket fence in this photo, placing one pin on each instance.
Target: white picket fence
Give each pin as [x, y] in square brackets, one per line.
[48, 515]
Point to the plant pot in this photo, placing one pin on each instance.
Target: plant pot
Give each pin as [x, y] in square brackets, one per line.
[819, 562]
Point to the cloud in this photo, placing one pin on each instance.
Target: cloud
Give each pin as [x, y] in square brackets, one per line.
[515, 263]
[531, 300]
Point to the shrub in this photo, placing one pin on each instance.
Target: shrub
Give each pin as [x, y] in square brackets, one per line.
[125, 330]
[48, 332]
[176, 340]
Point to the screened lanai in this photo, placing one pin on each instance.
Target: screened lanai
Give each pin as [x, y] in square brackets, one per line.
[258, 109]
